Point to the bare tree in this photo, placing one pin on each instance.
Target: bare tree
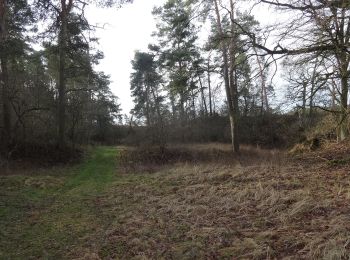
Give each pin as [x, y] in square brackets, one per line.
[228, 56]
[308, 86]
[316, 27]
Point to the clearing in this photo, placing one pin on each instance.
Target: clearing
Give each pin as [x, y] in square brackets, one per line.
[265, 207]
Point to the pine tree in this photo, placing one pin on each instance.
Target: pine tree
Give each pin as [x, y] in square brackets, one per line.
[177, 36]
[146, 90]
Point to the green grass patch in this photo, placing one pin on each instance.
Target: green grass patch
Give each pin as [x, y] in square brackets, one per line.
[337, 162]
[54, 216]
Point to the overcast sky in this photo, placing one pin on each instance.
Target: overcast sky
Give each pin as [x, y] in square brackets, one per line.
[125, 30]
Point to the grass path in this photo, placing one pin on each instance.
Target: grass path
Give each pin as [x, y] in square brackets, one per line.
[54, 215]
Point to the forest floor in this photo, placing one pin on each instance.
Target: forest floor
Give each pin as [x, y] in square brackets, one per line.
[197, 204]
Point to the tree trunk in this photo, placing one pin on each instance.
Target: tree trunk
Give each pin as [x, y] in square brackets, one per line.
[233, 79]
[304, 100]
[62, 80]
[148, 114]
[62, 45]
[264, 99]
[6, 104]
[209, 89]
[343, 120]
[6, 135]
[193, 96]
[160, 125]
[333, 92]
[226, 77]
[313, 91]
[173, 107]
[236, 112]
[204, 102]
[311, 101]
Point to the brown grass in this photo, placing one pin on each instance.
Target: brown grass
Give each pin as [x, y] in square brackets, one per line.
[257, 206]
[152, 159]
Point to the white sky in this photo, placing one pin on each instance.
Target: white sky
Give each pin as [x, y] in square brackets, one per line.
[125, 30]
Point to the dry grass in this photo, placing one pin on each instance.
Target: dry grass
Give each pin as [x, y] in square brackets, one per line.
[195, 202]
[153, 159]
[268, 208]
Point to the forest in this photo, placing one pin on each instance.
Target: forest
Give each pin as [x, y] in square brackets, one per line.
[236, 146]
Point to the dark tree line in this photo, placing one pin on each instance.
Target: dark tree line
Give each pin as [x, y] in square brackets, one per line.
[52, 94]
[182, 85]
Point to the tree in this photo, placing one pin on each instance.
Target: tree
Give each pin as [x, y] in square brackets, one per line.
[178, 52]
[14, 17]
[307, 84]
[229, 51]
[320, 28]
[62, 12]
[54, 93]
[105, 109]
[145, 88]
[4, 74]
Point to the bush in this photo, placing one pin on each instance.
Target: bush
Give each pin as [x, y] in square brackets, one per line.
[44, 154]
